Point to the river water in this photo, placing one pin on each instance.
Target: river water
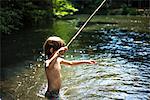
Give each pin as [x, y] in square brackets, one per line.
[122, 71]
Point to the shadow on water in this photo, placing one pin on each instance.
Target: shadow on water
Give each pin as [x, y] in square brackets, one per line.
[21, 58]
[122, 70]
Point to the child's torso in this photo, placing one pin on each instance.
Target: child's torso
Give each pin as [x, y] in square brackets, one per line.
[54, 76]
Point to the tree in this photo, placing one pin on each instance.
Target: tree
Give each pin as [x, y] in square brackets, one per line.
[62, 8]
[16, 13]
[86, 6]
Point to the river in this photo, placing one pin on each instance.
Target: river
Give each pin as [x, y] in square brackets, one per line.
[122, 70]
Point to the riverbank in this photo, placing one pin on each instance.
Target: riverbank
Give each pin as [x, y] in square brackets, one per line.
[130, 23]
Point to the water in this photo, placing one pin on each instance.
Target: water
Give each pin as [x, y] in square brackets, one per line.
[122, 70]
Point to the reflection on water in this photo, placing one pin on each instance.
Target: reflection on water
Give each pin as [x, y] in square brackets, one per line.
[122, 70]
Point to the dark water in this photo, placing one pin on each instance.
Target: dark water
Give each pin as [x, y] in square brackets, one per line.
[122, 71]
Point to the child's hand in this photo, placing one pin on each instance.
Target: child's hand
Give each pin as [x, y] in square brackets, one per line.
[91, 62]
[62, 50]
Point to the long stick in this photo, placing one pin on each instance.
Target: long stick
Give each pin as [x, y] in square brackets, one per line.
[85, 23]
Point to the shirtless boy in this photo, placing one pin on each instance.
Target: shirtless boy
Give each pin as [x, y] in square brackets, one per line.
[54, 47]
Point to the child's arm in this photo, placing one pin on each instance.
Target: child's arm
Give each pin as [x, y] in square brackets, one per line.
[72, 63]
[56, 54]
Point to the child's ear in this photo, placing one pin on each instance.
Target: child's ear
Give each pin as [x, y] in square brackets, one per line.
[51, 50]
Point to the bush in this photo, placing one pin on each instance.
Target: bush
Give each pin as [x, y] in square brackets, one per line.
[15, 13]
[115, 12]
[10, 20]
[62, 8]
[129, 11]
[133, 11]
[125, 9]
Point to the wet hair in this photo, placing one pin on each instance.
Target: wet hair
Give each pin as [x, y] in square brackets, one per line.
[52, 42]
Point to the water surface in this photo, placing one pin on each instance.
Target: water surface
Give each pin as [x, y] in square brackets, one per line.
[122, 70]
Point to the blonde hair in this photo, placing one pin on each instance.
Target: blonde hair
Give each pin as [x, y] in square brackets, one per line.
[52, 42]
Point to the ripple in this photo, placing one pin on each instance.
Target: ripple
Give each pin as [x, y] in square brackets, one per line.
[122, 70]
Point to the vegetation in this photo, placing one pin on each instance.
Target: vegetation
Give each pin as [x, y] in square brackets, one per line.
[124, 10]
[62, 8]
[130, 23]
[10, 20]
[14, 14]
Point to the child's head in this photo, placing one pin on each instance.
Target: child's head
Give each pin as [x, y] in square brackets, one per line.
[52, 44]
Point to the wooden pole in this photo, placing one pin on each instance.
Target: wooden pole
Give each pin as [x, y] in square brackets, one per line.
[78, 32]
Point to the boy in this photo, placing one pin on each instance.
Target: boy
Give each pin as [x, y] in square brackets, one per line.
[54, 47]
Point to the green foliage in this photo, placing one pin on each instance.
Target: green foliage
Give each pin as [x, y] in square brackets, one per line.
[10, 20]
[133, 11]
[15, 13]
[86, 6]
[128, 11]
[62, 8]
[34, 13]
[125, 10]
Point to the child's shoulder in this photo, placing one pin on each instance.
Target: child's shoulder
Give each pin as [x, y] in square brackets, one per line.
[60, 59]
